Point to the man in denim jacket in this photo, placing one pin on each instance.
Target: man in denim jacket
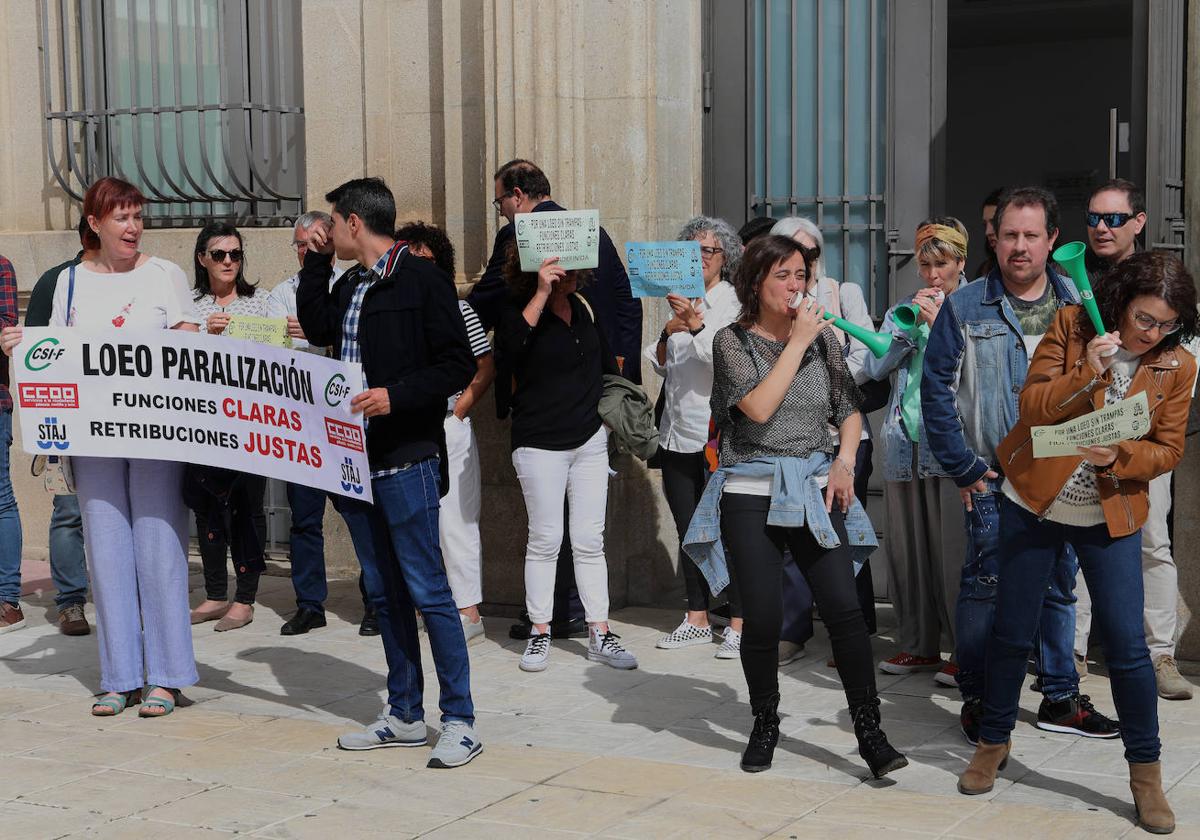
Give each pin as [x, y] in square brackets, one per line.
[975, 364]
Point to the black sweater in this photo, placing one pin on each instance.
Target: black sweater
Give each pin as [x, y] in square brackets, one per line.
[413, 342]
[557, 371]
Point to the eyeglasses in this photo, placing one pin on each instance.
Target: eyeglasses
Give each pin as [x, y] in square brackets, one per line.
[1111, 220]
[1145, 323]
[496, 201]
[711, 252]
[218, 255]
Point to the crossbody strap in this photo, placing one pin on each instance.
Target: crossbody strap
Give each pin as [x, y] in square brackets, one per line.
[70, 294]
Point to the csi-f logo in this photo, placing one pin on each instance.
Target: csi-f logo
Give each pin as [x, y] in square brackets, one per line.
[52, 434]
[351, 477]
[43, 354]
[336, 390]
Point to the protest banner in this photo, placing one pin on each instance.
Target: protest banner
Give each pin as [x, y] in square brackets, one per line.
[657, 269]
[271, 331]
[179, 396]
[1124, 420]
[571, 235]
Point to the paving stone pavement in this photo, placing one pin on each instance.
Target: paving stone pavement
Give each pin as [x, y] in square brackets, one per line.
[578, 750]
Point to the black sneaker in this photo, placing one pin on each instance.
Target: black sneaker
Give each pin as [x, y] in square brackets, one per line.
[1076, 715]
[970, 718]
[369, 625]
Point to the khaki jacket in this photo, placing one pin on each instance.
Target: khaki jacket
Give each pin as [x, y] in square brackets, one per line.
[1061, 386]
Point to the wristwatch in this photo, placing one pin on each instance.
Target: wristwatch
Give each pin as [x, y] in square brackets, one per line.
[662, 336]
[696, 331]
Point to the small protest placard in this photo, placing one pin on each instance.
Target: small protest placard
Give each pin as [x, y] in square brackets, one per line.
[571, 235]
[271, 331]
[657, 269]
[1124, 420]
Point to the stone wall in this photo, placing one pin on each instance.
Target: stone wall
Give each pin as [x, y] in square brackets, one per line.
[433, 95]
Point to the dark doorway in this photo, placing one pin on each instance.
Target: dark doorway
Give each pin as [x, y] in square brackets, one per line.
[1031, 88]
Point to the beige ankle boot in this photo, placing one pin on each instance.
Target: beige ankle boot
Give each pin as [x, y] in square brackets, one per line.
[1153, 812]
[980, 775]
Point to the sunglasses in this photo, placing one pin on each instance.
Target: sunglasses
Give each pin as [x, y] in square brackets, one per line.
[1145, 323]
[218, 255]
[1111, 220]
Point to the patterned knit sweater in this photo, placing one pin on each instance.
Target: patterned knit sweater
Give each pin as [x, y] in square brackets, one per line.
[1078, 503]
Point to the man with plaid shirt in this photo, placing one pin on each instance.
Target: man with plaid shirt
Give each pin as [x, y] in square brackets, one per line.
[397, 315]
[11, 617]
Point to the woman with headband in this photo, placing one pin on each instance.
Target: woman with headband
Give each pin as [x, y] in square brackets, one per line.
[926, 537]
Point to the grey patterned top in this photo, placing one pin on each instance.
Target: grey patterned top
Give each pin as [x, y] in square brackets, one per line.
[207, 305]
[823, 392]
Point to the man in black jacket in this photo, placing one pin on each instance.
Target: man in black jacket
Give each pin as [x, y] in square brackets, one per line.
[397, 316]
[521, 187]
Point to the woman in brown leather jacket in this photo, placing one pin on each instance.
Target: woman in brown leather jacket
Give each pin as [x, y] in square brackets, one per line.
[1096, 500]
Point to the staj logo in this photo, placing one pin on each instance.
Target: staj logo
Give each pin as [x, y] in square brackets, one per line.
[48, 395]
[336, 390]
[52, 434]
[43, 354]
[351, 477]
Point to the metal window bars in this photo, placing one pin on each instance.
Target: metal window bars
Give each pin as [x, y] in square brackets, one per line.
[197, 102]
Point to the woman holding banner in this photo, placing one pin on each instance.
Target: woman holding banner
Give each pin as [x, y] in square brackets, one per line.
[682, 356]
[222, 292]
[134, 519]
[1096, 500]
[926, 533]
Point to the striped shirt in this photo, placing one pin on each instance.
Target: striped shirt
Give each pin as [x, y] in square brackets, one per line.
[8, 318]
[476, 336]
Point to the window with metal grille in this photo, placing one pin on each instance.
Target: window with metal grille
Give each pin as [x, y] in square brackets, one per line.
[197, 102]
[818, 136]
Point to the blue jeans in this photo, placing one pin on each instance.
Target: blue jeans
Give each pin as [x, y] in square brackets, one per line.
[977, 608]
[68, 564]
[397, 544]
[1112, 568]
[10, 521]
[308, 546]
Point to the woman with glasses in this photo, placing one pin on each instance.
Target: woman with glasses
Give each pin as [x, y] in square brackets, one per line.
[134, 519]
[222, 293]
[1095, 499]
[682, 356]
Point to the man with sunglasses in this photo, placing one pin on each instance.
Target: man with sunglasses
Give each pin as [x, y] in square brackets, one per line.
[1116, 215]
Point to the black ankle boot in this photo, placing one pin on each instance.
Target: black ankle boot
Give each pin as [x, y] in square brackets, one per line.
[763, 739]
[873, 745]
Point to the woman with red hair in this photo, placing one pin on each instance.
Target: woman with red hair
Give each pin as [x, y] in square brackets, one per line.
[134, 519]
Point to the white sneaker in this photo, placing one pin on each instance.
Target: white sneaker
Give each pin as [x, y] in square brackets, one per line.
[473, 630]
[537, 652]
[731, 647]
[685, 635]
[604, 647]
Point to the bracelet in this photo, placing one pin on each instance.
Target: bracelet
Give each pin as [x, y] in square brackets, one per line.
[844, 465]
[696, 332]
[662, 336]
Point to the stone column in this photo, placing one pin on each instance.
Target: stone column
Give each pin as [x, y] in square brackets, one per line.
[1187, 475]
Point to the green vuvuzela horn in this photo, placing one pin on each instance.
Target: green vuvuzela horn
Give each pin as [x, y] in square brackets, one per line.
[1070, 257]
[906, 316]
[878, 344]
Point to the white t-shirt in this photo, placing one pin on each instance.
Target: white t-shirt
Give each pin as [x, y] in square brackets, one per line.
[155, 295]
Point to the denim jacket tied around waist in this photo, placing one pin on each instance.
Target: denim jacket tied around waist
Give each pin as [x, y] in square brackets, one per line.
[796, 501]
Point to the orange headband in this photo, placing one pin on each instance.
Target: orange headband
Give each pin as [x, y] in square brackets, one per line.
[942, 233]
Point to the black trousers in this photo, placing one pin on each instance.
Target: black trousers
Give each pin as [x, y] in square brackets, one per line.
[246, 501]
[755, 553]
[684, 475]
